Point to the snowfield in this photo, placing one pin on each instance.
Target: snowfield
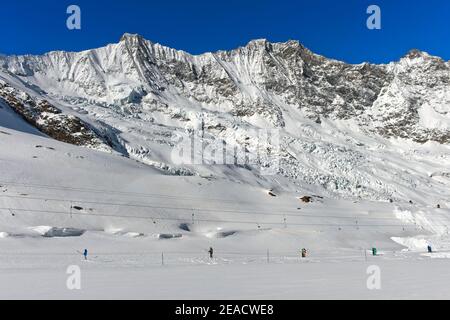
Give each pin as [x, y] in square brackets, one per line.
[144, 243]
[364, 167]
[412, 279]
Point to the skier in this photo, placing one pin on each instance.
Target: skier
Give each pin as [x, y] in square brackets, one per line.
[85, 254]
[304, 252]
[211, 253]
[430, 250]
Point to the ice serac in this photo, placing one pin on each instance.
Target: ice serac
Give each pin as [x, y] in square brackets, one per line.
[349, 129]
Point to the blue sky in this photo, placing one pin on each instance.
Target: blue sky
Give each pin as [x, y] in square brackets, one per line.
[336, 29]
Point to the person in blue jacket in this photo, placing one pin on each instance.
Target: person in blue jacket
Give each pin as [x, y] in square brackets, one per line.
[85, 254]
[211, 253]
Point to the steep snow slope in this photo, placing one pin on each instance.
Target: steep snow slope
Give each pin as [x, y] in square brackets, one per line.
[368, 131]
[48, 183]
[11, 120]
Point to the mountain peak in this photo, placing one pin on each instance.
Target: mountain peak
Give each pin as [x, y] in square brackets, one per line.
[131, 36]
[416, 53]
[258, 42]
[259, 45]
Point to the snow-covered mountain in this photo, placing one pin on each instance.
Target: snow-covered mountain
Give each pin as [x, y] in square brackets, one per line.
[138, 177]
[370, 131]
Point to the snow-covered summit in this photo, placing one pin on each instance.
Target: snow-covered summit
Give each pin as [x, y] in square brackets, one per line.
[131, 36]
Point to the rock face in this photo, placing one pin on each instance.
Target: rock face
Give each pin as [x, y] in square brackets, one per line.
[146, 98]
[50, 120]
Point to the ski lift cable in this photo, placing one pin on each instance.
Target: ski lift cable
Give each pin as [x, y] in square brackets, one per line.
[97, 215]
[262, 213]
[92, 190]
